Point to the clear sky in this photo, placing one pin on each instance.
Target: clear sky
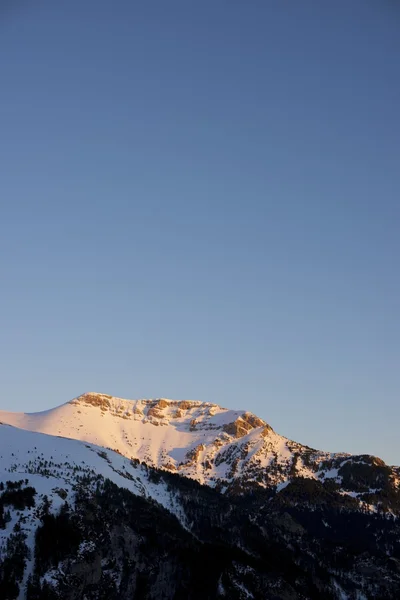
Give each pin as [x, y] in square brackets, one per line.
[202, 200]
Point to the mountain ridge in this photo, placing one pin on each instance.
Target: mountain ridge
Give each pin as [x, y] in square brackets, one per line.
[79, 520]
[230, 450]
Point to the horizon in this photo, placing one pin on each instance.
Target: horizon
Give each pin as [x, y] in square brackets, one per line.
[202, 201]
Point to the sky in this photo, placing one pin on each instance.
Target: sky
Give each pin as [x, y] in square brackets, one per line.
[200, 200]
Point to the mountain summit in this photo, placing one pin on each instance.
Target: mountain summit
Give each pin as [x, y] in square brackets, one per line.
[180, 499]
[232, 451]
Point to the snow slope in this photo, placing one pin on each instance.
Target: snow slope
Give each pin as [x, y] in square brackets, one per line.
[54, 467]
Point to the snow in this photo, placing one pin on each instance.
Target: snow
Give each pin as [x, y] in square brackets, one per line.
[99, 434]
[221, 589]
[160, 432]
[281, 486]
[22, 455]
[325, 523]
[52, 466]
[190, 438]
[331, 474]
[244, 590]
[341, 593]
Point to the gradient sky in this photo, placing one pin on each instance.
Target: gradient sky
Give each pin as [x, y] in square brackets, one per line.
[202, 200]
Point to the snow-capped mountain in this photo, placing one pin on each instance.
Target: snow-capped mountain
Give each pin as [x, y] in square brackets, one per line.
[81, 521]
[226, 449]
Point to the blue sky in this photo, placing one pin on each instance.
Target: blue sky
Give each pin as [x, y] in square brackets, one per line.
[201, 200]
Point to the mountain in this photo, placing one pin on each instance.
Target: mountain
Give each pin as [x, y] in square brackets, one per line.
[268, 519]
[232, 451]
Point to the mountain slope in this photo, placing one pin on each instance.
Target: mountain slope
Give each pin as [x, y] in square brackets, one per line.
[230, 450]
[56, 469]
[80, 522]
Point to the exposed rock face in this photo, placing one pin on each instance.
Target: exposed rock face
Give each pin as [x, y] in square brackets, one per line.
[102, 401]
[266, 430]
[243, 424]
[154, 412]
[162, 403]
[253, 420]
[185, 405]
[193, 455]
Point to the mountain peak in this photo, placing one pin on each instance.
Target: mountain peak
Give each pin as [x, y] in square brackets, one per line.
[216, 446]
[201, 440]
[311, 500]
